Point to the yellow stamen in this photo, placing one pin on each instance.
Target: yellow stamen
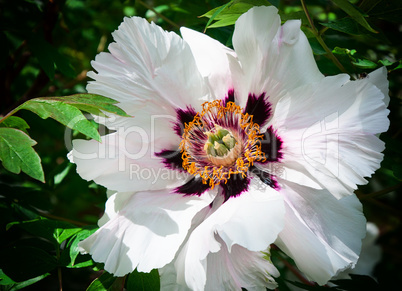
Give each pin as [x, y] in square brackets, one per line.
[232, 155]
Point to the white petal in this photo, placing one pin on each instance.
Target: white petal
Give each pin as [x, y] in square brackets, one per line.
[146, 232]
[321, 234]
[212, 61]
[123, 163]
[115, 202]
[168, 279]
[148, 125]
[274, 58]
[251, 220]
[329, 129]
[369, 256]
[379, 79]
[232, 270]
[228, 270]
[147, 64]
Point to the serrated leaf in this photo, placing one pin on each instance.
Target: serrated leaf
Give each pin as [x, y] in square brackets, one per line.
[64, 113]
[15, 122]
[53, 230]
[138, 281]
[17, 154]
[92, 103]
[346, 25]
[353, 12]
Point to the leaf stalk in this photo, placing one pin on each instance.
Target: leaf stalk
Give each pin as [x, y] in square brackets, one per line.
[317, 35]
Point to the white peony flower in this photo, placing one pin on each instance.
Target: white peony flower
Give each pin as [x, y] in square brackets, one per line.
[228, 152]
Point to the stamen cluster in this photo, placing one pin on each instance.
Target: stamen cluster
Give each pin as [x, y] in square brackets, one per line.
[220, 141]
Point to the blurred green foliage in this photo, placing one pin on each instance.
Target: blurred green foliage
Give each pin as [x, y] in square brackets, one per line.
[46, 49]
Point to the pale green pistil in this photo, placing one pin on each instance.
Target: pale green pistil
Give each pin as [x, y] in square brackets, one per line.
[219, 143]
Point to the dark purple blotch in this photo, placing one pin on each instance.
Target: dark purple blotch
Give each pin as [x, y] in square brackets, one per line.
[271, 146]
[259, 108]
[184, 116]
[193, 187]
[229, 97]
[171, 159]
[235, 185]
[266, 178]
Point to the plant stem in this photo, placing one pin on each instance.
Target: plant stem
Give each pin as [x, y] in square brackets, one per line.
[59, 269]
[157, 13]
[320, 40]
[9, 114]
[379, 193]
[296, 272]
[51, 216]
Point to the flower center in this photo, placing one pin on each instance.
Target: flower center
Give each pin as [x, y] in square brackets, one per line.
[220, 141]
[221, 147]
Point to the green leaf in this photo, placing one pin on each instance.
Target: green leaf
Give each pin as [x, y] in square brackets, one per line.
[92, 103]
[294, 15]
[53, 230]
[230, 12]
[73, 245]
[21, 285]
[4, 279]
[17, 154]
[390, 10]
[353, 12]
[346, 25]
[138, 281]
[42, 51]
[275, 2]
[59, 177]
[64, 113]
[343, 51]
[316, 46]
[216, 13]
[106, 282]
[49, 57]
[365, 64]
[397, 170]
[229, 20]
[235, 7]
[15, 122]
[22, 263]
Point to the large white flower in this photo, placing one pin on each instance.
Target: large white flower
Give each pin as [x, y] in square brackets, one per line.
[228, 152]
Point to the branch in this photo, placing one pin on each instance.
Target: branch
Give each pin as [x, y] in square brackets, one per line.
[320, 40]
